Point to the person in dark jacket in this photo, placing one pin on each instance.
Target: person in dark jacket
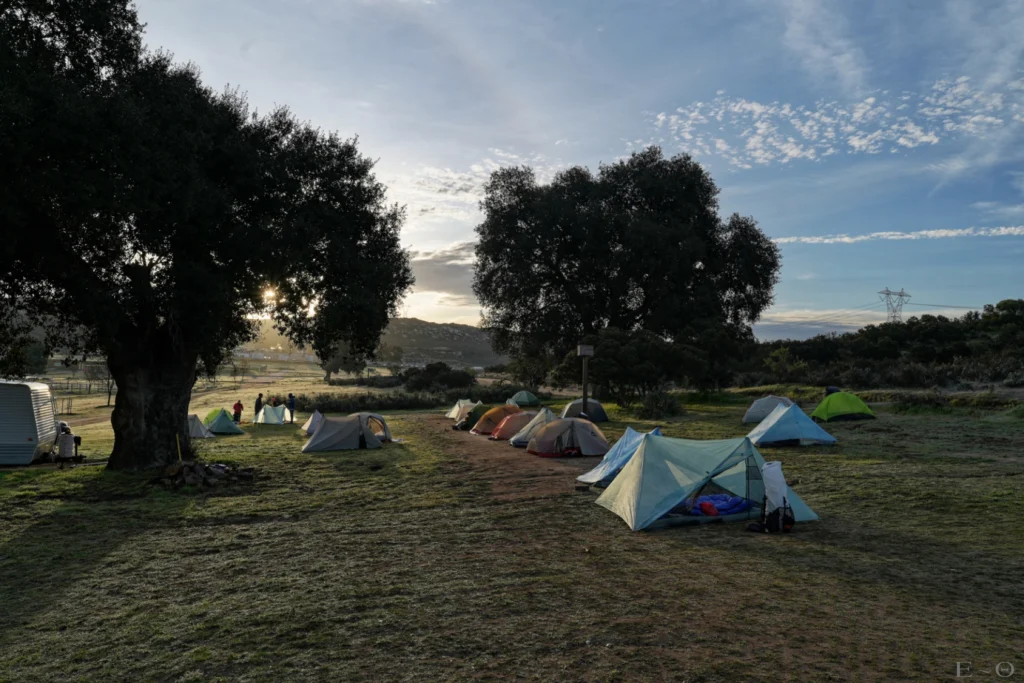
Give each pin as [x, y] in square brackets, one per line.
[259, 405]
[291, 406]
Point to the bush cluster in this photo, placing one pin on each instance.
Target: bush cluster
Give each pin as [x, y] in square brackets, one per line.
[657, 405]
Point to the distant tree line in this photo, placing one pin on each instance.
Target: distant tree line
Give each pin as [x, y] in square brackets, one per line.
[930, 350]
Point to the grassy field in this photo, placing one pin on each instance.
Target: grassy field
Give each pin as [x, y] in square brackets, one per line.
[447, 557]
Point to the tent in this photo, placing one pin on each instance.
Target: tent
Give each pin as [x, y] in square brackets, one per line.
[358, 430]
[196, 428]
[220, 422]
[512, 425]
[595, 411]
[461, 408]
[490, 420]
[311, 424]
[789, 426]
[665, 472]
[842, 406]
[472, 417]
[615, 459]
[524, 398]
[568, 436]
[522, 439]
[272, 415]
[763, 407]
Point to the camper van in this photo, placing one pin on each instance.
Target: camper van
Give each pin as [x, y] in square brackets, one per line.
[28, 422]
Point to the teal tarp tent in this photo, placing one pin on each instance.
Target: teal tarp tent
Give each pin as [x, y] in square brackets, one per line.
[789, 426]
[665, 472]
[221, 423]
[615, 459]
[524, 399]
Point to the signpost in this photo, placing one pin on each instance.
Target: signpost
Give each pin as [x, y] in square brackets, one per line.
[585, 351]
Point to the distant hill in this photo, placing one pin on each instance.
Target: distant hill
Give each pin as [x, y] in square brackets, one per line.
[422, 342]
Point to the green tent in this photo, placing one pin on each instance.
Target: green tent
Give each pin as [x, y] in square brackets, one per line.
[523, 398]
[664, 475]
[472, 417]
[842, 406]
[220, 422]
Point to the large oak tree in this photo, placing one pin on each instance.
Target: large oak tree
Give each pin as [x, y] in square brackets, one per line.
[152, 220]
[639, 245]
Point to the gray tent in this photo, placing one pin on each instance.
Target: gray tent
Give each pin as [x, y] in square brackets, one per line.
[358, 430]
[595, 411]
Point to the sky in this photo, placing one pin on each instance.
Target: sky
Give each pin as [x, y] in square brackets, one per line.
[879, 143]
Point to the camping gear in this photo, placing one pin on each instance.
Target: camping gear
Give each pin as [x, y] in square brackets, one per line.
[220, 422]
[358, 430]
[512, 425]
[778, 513]
[524, 399]
[28, 426]
[197, 430]
[311, 424]
[763, 407]
[615, 459]
[832, 390]
[489, 421]
[569, 436]
[594, 412]
[842, 406]
[789, 426]
[271, 415]
[522, 438]
[461, 408]
[664, 473]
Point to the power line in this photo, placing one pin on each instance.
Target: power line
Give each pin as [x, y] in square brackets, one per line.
[966, 308]
[894, 303]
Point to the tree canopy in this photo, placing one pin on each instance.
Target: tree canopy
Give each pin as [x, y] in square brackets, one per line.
[638, 245]
[153, 220]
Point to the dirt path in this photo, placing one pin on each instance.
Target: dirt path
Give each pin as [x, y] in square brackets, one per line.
[513, 473]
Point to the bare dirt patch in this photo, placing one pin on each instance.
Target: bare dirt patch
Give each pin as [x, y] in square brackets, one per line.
[512, 473]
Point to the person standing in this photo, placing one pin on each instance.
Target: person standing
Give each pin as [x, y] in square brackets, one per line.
[291, 406]
[259, 406]
[237, 408]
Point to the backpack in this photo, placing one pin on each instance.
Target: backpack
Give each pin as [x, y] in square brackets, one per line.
[779, 520]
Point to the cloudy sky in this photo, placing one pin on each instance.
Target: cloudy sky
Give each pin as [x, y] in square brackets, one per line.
[880, 143]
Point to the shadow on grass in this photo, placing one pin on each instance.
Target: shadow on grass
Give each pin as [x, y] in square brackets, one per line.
[78, 519]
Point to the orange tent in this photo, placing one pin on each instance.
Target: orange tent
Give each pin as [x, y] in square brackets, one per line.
[511, 425]
[490, 420]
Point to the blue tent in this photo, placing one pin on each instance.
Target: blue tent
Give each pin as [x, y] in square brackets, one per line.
[788, 425]
[615, 459]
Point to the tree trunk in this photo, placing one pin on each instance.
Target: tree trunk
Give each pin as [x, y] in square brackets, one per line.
[150, 415]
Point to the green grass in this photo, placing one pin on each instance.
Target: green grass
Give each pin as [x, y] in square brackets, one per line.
[403, 563]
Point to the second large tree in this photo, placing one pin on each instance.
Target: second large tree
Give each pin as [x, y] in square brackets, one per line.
[638, 245]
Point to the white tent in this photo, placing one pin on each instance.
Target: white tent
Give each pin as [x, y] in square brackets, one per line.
[461, 409]
[312, 423]
[664, 473]
[522, 438]
[788, 425]
[197, 430]
[271, 415]
[358, 430]
[763, 407]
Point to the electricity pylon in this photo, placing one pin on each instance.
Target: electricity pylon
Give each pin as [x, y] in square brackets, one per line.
[894, 303]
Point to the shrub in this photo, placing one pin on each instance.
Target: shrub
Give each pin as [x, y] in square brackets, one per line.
[377, 382]
[657, 405]
[488, 393]
[437, 377]
[1014, 380]
[1017, 412]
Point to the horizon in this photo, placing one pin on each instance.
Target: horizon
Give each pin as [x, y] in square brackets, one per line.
[878, 148]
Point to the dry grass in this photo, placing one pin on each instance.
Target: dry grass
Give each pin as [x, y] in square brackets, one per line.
[412, 563]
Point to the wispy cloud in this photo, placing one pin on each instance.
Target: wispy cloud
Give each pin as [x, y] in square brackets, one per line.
[1008, 231]
[448, 271]
[746, 132]
[816, 32]
[999, 209]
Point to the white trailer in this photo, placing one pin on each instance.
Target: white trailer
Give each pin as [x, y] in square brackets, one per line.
[28, 422]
